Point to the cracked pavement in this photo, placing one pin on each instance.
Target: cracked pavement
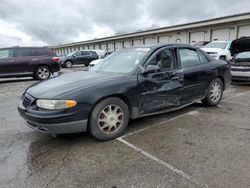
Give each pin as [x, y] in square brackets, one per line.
[210, 145]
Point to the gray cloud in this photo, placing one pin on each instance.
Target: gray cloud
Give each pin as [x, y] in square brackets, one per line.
[61, 21]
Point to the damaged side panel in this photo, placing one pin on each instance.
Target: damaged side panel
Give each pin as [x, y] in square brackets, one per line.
[160, 91]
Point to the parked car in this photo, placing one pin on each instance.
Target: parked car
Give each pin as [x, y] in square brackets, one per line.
[219, 50]
[95, 62]
[240, 64]
[79, 57]
[129, 84]
[39, 62]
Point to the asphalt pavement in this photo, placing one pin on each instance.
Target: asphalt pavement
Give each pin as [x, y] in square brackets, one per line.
[193, 147]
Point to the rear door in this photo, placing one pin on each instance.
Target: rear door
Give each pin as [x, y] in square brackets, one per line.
[161, 90]
[23, 60]
[198, 72]
[6, 62]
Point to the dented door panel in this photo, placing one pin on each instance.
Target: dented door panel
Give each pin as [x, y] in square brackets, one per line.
[160, 91]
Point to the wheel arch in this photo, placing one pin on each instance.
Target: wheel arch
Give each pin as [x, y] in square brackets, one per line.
[222, 80]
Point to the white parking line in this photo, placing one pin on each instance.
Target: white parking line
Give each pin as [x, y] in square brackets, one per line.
[160, 123]
[182, 115]
[163, 163]
[238, 95]
[159, 161]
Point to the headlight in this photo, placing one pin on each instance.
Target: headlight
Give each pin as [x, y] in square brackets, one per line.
[55, 104]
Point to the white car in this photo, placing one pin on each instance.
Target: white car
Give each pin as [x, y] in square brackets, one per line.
[219, 50]
[93, 63]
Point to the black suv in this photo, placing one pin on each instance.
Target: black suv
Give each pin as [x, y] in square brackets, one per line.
[38, 62]
[79, 57]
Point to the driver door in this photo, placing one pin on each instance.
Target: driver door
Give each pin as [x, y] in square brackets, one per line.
[161, 84]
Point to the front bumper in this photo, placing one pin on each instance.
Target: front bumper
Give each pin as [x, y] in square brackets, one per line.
[240, 73]
[51, 122]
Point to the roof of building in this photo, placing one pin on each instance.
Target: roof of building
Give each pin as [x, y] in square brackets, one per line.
[179, 27]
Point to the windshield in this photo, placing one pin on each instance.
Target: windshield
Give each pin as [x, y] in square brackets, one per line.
[243, 55]
[72, 53]
[221, 45]
[123, 61]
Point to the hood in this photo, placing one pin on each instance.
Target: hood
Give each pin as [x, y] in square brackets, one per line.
[68, 82]
[212, 49]
[240, 45]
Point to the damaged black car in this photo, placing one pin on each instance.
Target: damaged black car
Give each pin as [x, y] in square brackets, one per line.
[131, 83]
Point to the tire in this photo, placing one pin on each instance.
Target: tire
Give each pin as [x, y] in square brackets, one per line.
[109, 119]
[215, 93]
[42, 73]
[68, 64]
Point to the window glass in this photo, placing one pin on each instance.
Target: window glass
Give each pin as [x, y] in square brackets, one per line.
[189, 57]
[23, 52]
[123, 61]
[39, 52]
[243, 55]
[164, 59]
[85, 53]
[203, 58]
[78, 54]
[221, 45]
[4, 54]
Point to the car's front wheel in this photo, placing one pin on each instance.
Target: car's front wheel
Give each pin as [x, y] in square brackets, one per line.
[109, 119]
[215, 93]
[42, 73]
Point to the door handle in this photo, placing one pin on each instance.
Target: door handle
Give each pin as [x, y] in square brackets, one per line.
[11, 61]
[34, 59]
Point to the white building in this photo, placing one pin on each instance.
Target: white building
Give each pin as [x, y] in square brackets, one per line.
[223, 28]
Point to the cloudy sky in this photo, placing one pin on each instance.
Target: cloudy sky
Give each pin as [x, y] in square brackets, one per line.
[52, 22]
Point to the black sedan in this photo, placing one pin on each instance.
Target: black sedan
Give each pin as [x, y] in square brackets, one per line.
[79, 57]
[129, 84]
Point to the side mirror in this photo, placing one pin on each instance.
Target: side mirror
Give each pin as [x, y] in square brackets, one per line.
[73, 56]
[152, 69]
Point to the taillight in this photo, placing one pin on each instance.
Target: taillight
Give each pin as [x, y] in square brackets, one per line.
[55, 59]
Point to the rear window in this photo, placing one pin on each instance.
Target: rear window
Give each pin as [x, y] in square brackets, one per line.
[86, 53]
[39, 52]
[189, 57]
[23, 52]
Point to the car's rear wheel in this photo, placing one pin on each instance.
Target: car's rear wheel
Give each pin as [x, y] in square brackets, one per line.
[42, 73]
[215, 93]
[68, 64]
[109, 119]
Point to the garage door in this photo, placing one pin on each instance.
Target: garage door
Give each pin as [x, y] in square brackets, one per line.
[150, 41]
[97, 47]
[244, 31]
[104, 47]
[196, 37]
[137, 42]
[127, 44]
[111, 47]
[164, 39]
[91, 47]
[221, 34]
[118, 45]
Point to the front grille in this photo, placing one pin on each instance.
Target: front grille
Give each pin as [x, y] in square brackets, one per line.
[26, 102]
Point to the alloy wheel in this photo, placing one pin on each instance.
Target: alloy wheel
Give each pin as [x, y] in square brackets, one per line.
[43, 73]
[215, 92]
[110, 119]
